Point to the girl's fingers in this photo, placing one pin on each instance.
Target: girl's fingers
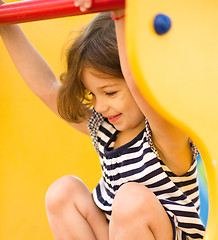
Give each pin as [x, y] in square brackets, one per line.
[76, 3]
[83, 4]
[87, 4]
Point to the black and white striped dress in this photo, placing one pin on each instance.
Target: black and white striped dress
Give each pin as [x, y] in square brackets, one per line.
[138, 161]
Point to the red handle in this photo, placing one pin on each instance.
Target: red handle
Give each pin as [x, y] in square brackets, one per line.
[34, 10]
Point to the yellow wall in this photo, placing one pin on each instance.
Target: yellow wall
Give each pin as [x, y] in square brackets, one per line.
[177, 73]
[37, 147]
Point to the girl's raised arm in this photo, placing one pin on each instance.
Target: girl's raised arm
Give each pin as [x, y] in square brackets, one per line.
[172, 144]
[33, 68]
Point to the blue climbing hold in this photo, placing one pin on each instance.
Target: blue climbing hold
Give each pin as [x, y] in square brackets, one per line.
[162, 24]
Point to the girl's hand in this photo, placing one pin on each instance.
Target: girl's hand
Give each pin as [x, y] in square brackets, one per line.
[83, 4]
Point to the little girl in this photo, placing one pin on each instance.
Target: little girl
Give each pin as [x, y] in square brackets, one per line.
[148, 188]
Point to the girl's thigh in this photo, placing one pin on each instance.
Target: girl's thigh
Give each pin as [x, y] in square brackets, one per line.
[138, 214]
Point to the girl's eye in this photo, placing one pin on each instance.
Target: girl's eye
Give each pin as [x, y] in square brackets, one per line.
[110, 93]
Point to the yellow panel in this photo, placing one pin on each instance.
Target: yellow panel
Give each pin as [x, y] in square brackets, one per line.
[36, 147]
[178, 71]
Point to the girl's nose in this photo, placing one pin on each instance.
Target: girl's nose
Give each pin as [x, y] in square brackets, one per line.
[100, 106]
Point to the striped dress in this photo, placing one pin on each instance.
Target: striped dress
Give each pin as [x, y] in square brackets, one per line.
[138, 161]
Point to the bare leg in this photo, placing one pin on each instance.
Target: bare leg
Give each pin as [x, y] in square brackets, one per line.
[72, 213]
[137, 214]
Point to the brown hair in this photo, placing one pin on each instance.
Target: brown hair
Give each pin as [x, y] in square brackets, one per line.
[95, 48]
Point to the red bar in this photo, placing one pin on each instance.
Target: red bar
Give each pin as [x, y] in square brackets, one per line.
[34, 10]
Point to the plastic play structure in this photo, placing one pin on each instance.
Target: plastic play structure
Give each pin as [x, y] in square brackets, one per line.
[172, 48]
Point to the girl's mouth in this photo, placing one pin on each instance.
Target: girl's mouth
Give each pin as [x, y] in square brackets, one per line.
[114, 119]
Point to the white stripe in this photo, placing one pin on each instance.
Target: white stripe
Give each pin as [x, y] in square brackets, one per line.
[183, 208]
[131, 166]
[193, 195]
[189, 220]
[182, 179]
[188, 187]
[102, 136]
[193, 231]
[135, 155]
[162, 186]
[137, 175]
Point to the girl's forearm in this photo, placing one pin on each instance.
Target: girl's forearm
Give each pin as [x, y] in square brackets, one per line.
[30, 64]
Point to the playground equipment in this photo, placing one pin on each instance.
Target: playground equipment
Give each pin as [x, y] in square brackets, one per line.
[34, 10]
[173, 53]
[202, 179]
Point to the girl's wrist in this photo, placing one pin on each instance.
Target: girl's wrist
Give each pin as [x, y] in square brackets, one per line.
[7, 29]
[4, 29]
[118, 14]
[116, 18]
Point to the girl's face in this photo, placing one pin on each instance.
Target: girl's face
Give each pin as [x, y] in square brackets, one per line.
[112, 98]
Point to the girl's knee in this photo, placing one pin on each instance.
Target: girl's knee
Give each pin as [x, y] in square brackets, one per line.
[62, 191]
[132, 199]
[137, 207]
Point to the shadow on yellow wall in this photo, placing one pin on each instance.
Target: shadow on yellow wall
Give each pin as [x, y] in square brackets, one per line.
[36, 147]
